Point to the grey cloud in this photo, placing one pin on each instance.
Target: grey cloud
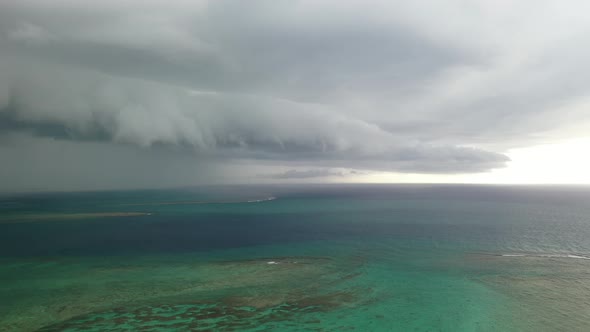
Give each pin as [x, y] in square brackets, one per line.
[255, 47]
[388, 86]
[89, 105]
[306, 174]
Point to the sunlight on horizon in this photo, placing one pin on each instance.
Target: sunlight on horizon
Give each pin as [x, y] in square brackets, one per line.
[566, 162]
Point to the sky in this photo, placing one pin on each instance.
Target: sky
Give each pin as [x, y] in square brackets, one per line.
[146, 94]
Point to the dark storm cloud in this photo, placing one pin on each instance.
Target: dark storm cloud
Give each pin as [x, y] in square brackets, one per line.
[306, 174]
[383, 85]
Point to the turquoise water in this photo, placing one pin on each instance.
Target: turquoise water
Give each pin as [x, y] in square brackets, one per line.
[331, 258]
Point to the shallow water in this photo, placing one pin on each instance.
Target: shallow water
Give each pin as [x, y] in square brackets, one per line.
[378, 258]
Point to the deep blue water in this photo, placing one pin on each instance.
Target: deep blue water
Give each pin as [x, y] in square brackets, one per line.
[546, 219]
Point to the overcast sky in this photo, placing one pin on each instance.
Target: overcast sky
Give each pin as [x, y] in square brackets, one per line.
[127, 94]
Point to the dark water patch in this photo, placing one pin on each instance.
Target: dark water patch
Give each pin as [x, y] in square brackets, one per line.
[228, 315]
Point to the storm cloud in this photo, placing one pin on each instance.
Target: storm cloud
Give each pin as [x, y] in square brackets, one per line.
[306, 174]
[254, 85]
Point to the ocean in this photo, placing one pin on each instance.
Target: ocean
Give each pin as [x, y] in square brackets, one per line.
[297, 258]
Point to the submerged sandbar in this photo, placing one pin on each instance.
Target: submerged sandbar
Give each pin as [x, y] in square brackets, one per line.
[61, 216]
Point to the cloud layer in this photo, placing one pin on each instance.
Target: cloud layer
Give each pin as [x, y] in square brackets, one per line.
[380, 85]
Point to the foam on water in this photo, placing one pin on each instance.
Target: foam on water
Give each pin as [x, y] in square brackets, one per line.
[547, 256]
[272, 198]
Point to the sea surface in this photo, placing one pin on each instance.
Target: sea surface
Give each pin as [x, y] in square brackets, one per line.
[297, 258]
